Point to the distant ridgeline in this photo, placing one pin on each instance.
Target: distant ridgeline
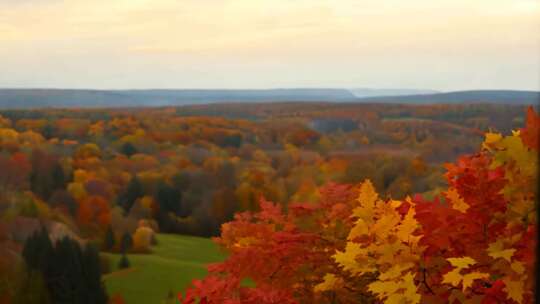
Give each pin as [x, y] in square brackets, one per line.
[40, 98]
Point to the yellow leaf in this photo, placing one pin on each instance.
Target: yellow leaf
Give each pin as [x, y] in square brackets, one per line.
[364, 213]
[383, 288]
[518, 267]
[411, 293]
[514, 289]
[456, 201]
[367, 195]
[329, 283]
[453, 277]
[395, 271]
[396, 298]
[461, 263]
[386, 252]
[394, 204]
[469, 278]
[360, 228]
[516, 151]
[407, 226]
[495, 250]
[402, 290]
[386, 223]
[347, 259]
[492, 138]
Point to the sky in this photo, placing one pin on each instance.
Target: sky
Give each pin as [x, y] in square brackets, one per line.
[417, 44]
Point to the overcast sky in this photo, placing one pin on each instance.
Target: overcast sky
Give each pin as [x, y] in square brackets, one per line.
[429, 44]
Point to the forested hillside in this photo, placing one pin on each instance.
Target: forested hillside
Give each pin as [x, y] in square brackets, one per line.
[77, 181]
[473, 243]
[78, 98]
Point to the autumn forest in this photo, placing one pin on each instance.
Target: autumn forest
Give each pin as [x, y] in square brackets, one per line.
[305, 202]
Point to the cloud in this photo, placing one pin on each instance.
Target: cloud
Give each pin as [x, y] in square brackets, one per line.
[323, 37]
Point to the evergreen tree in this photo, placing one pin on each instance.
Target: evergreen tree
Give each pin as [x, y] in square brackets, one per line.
[92, 274]
[37, 249]
[126, 243]
[65, 277]
[169, 200]
[58, 177]
[48, 131]
[133, 191]
[109, 239]
[128, 149]
[124, 262]
[70, 274]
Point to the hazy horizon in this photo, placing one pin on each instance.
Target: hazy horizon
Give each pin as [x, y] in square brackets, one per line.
[428, 90]
[262, 44]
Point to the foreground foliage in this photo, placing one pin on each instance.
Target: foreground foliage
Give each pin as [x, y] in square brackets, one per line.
[474, 243]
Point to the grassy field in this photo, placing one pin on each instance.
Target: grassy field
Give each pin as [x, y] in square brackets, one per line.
[174, 262]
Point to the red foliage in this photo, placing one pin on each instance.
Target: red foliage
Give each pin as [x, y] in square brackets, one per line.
[94, 210]
[531, 133]
[475, 242]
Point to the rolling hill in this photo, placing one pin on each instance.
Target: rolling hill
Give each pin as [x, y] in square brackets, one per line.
[71, 98]
[479, 96]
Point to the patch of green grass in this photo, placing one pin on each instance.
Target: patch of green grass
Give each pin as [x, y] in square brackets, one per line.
[171, 266]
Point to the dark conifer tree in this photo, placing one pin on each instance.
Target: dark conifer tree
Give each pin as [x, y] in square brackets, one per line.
[70, 274]
[124, 262]
[133, 191]
[169, 200]
[109, 239]
[92, 274]
[126, 242]
[37, 249]
[58, 177]
[128, 149]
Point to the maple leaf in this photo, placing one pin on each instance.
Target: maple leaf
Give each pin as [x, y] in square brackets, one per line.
[360, 228]
[367, 195]
[407, 226]
[388, 220]
[461, 263]
[411, 292]
[496, 250]
[347, 259]
[395, 271]
[455, 277]
[514, 289]
[330, 280]
[491, 138]
[470, 277]
[517, 267]
[456, 201]
[512, 149]
[383, 288]
[403, 290]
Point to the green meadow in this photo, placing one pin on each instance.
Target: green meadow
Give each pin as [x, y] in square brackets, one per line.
[171, 266]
